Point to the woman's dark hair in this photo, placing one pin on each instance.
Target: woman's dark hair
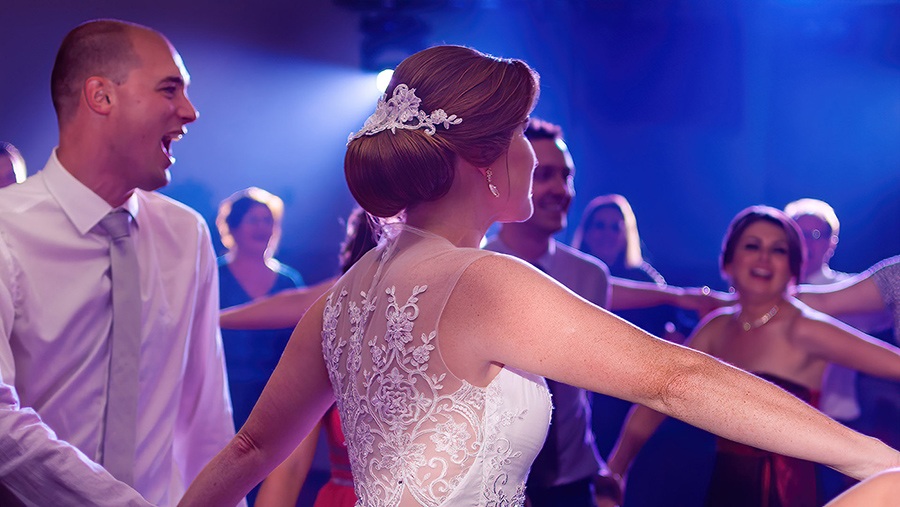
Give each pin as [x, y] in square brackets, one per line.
[233, 208]
[360, 239]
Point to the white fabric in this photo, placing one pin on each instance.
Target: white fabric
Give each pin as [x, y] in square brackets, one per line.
[56, 311]
[416, 433]
[66, 477]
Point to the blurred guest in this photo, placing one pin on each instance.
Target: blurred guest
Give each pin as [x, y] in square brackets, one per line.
[565, 470]
[776, 337]
[12, 165]
[249, 222]
[820, 227]
[608, 231]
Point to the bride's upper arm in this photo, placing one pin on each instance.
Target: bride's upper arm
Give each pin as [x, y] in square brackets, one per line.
[529, 321]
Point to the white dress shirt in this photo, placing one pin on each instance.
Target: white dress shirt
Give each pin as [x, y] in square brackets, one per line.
[37, 469]
[56, 314]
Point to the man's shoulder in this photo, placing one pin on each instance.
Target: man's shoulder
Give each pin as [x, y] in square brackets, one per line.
[580, 259]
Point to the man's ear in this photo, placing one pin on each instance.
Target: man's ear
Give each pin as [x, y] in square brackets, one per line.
[98, 94]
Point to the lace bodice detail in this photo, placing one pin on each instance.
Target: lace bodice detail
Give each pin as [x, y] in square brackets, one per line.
[417, 434]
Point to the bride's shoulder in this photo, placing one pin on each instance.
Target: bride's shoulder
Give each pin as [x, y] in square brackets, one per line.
[490, 272]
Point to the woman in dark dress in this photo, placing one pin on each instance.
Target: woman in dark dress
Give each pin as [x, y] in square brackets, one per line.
[778, 338]
[249, 222]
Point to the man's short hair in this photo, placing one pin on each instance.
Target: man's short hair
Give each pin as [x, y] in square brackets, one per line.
[542, 129]
[816, 208]
[95, 48]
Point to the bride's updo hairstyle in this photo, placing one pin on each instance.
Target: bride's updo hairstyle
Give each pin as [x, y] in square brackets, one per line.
[389, 172]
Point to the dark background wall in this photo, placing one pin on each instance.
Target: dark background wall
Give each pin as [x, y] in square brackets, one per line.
[692, 109]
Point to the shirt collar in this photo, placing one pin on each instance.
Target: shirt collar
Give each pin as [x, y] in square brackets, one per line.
[84, 208]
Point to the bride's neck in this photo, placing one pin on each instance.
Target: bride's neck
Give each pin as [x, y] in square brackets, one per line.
[457, 226]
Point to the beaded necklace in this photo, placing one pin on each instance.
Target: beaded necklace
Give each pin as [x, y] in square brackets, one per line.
[747, 325]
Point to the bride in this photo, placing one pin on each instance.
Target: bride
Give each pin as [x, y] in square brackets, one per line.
[435, 351]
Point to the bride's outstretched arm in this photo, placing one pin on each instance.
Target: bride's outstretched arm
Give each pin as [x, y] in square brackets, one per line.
[526, 320]
[294, 400]
[642, 422]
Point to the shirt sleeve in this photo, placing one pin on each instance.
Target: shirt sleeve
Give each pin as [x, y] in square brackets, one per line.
[36, 468]
[887, 277]
[7, 312]
[204, 420]
[39, 469]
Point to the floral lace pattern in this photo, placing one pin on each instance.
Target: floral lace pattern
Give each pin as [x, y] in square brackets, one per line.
[416, 434]
[401, 111]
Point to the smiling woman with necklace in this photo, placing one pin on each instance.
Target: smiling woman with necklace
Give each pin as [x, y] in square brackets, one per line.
[778, 338]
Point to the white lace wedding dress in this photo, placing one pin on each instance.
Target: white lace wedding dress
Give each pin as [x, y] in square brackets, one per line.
[417, 434]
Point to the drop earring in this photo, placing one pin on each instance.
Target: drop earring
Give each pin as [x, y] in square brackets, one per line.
[493, 188]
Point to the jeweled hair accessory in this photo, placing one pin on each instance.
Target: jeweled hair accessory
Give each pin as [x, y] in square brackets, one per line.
[401, 111]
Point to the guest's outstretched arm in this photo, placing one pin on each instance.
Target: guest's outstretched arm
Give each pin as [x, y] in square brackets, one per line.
[282, 310]
[631, 294]
[872, 290]
[859, 294]
[282, 487]
[639, 426]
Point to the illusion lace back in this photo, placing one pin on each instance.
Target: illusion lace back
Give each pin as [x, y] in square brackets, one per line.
[417, 434]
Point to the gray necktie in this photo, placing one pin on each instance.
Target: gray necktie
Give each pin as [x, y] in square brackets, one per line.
[125, 344]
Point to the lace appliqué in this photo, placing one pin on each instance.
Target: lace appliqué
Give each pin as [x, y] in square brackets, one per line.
[401, 111]
[500, 455]
[409, 437]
